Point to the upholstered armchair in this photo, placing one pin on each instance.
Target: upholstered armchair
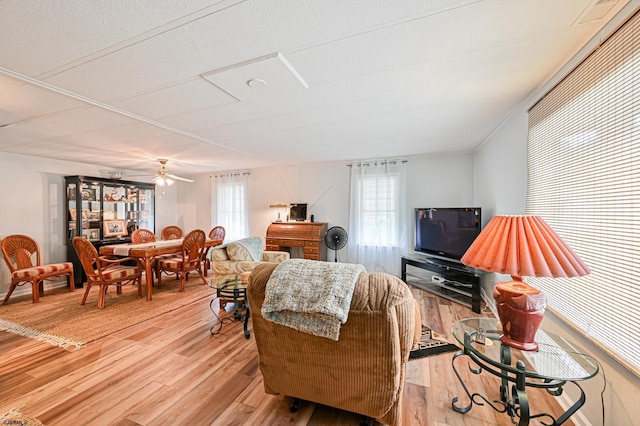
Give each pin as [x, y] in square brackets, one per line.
[364, 371]
[229, 260]
[22, 255]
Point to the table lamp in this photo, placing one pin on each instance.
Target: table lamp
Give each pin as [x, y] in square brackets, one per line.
[522, 246]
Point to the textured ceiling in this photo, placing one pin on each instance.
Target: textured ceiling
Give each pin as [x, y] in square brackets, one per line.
[121, 84]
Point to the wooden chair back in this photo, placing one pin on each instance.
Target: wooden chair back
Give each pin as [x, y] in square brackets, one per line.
[142, 235]
[88, 258]
[193, 247]
[171, 232]
[19, 250]
[217, 233]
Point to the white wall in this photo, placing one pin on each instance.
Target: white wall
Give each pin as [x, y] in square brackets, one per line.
[501, 185]
[445, 181]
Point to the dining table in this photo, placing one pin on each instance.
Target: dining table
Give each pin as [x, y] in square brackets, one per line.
[147, 252]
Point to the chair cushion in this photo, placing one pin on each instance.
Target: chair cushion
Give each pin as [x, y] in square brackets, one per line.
[245, 249]
[42, 270]
[176, 263]
[120, 271]
[218, 254]
[170, 262]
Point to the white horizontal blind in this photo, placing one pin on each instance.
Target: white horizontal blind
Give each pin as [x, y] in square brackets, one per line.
[584, 180]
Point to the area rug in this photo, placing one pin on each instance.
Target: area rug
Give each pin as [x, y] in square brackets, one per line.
[16, 417]
[60, 320]
[430, 346]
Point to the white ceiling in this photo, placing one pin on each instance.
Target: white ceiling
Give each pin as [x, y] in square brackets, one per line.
[122, 83]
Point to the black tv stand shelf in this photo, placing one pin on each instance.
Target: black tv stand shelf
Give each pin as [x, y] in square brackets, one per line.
[450, 280]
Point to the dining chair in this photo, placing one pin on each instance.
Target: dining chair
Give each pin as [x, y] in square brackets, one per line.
[19, 252]
[217, 233]
[142, 235]
[171, 232]
[190, 259]
[103, 271]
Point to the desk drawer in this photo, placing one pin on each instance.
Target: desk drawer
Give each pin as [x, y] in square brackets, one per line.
[312, 244]
[312, 256]
[311, 251]
[285, 243]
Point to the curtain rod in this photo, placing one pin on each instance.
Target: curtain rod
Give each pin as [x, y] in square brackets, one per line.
[382, 162]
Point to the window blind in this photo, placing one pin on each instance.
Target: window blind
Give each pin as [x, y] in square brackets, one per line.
[583, 160]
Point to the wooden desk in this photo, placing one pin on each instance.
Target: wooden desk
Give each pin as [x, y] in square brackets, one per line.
[147, 252]
[308, 235]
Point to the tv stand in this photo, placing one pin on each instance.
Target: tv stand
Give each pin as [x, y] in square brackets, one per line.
[450, 280]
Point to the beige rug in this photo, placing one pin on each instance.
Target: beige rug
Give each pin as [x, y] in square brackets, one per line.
[16, 417]
[60, 320]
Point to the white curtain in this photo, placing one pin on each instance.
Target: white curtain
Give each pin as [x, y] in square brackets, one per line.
[378, 219]
[230, 204]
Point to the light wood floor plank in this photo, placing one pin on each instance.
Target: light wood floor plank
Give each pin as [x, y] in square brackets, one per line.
[170, 370]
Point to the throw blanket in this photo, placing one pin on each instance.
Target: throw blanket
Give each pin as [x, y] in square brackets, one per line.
[311, 296]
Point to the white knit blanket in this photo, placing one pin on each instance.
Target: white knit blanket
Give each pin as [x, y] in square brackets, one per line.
[311, 296]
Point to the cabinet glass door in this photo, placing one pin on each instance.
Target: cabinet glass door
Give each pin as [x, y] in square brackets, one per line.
[89, 213]
[146, 213]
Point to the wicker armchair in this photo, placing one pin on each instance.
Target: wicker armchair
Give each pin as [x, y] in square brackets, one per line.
[18, 252]
[103, 272]
[171, 233]
[142, 236]
[190, 259]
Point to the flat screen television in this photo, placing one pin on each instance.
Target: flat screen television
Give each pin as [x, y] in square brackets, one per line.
[446, 233]
[298, 212]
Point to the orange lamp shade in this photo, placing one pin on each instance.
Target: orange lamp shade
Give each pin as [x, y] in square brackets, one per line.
[522, 246]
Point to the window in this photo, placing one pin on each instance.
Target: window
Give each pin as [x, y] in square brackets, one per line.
[379, 194]
[377, 219]
[584, 180]
[230, 204]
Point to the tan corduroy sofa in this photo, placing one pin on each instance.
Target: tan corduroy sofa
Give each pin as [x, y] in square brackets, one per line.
[363, 372]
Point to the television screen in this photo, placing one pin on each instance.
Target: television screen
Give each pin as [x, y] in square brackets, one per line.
[446, 232]
[298, 212]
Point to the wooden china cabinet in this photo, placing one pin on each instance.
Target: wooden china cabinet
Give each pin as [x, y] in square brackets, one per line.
[105, 211]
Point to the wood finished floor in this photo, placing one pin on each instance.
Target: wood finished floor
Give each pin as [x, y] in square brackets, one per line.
[171, 371]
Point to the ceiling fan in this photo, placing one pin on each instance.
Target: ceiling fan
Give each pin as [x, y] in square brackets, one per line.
[166, 178]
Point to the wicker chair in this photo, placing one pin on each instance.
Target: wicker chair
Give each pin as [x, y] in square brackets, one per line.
[190, 259]
[171, 233]
[103, 272]
[142, 236]
[19, 251]
[216, 233]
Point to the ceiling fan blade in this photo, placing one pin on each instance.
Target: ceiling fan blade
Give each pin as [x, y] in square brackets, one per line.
[180, 178]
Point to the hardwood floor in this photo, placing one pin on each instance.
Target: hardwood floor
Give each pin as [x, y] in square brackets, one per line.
[171, 371]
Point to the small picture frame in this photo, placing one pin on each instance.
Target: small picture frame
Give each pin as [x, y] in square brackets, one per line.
[91, 234]
[74, 216]
[88, 194]
[115, 228]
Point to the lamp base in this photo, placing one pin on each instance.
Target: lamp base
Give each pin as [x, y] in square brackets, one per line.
[521, 308]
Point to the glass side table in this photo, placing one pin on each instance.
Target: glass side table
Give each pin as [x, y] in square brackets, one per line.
[551, 367]
[235, 290]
